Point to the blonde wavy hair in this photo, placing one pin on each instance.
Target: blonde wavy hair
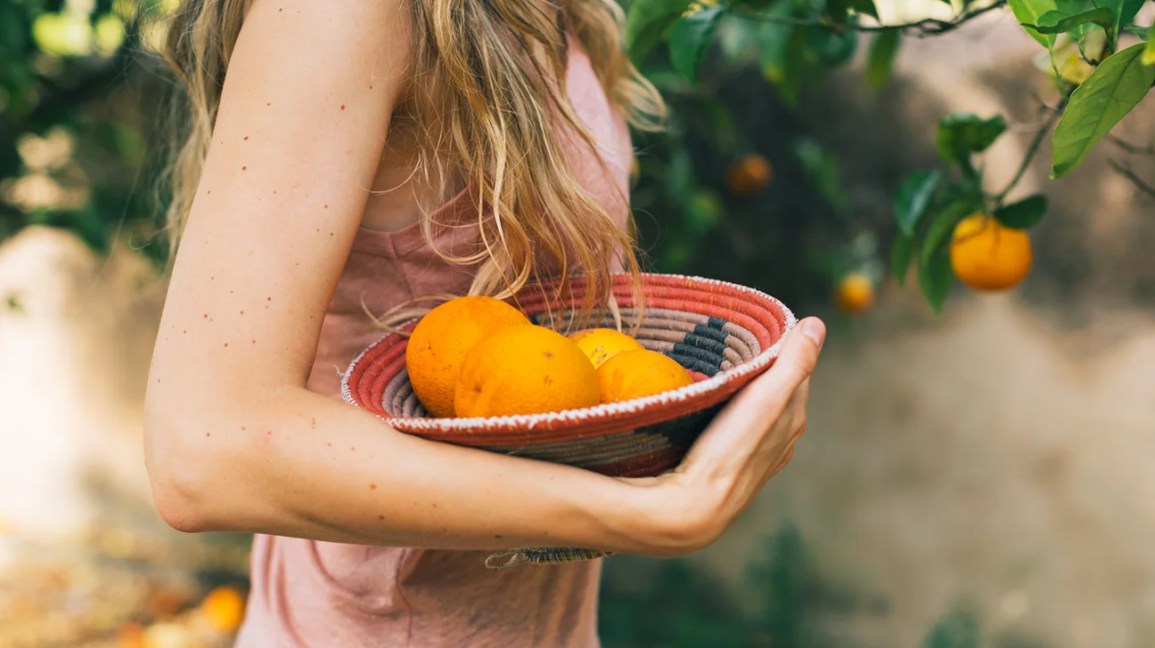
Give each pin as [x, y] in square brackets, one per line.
[489, 109]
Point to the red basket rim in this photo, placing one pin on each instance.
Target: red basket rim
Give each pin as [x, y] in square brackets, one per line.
[710, 390]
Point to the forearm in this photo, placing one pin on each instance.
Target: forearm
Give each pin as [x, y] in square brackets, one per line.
[300, 464]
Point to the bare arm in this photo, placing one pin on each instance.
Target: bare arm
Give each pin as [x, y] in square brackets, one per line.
[235, 441]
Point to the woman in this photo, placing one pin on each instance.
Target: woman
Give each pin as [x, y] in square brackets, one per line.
[346, 159]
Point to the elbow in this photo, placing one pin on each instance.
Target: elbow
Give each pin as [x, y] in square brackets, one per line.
[175, 506]
[180, 473]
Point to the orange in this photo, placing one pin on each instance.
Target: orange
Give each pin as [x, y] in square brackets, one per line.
[224, 608]
[748, 175]
[855, 294]
[987, 255]
[441, 340]
[634, 374]
[525, 370]
[130, 635]
[601, 344]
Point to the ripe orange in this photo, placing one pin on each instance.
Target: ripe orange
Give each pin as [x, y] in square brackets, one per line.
[130, 635]
[224, 608]
[986, 255]
[748, 175]
[855, 294]
[601, 344]
[525, 370]
[634, 374]
[441, 340]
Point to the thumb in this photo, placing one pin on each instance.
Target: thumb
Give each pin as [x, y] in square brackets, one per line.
[796, 360]
[771, 392]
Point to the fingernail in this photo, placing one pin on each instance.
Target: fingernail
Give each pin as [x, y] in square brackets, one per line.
[814, 329]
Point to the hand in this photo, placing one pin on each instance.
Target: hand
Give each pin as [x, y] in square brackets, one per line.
[749, 442]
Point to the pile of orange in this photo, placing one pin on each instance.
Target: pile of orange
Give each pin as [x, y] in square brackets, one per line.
[479, 356]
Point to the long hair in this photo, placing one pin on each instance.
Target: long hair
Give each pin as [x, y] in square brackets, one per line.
[492, 81]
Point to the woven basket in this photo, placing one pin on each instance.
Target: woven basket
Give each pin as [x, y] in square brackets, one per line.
[725, 334]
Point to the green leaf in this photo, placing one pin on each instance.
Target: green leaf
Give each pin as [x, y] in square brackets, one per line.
[1127, 11]
[1027, 12]
[1116, 86]
[839, 10]
[680, 175]
[831, 48]
[865, 7]
[821, 170]
[1056, 22]
[647, 23]
[772, 40]
[797, 70]
[911, 201]
[900, 253]
[690, 39]
[880, 61]
[961, 134]
[941, 229]
[704, 211]
[957, 629]
[935, 277]
[1024, 213]
[1148, 57]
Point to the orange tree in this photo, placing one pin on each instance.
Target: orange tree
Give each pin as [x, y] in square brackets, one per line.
[732, 188]
[734, 127]
[75, 114]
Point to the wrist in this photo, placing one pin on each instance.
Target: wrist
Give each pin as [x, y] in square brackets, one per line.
[664, 516]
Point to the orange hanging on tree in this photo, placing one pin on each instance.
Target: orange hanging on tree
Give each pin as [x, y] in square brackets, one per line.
[987, 255]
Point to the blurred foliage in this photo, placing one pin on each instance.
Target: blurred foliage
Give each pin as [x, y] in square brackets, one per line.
[783, 603]
[738, 75]
[736, 187]
[74, 119]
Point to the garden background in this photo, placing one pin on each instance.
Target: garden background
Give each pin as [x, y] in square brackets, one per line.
[978, 466]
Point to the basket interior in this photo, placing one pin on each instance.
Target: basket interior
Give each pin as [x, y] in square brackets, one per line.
[703, 344]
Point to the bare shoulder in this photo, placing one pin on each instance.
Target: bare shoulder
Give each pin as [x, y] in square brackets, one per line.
[379, 31]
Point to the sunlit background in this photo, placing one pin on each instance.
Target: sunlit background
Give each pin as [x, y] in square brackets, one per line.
[977, 477]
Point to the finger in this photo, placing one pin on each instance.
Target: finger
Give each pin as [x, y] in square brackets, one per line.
[767, 397]
[795, 362]
[737, 431]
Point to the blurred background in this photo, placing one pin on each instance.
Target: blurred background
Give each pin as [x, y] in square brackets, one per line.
[978, 466]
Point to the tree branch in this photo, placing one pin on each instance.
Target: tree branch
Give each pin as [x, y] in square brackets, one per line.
[1036, 142]
[920, 28]
[1128, 173]
[1129, 147]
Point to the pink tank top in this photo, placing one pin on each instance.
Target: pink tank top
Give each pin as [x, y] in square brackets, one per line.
[321, 594]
